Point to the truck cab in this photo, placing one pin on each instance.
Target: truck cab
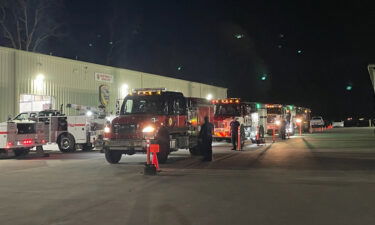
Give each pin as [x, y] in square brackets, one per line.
[303, 117]
[155, 116]
[275, 115]
[225, 111]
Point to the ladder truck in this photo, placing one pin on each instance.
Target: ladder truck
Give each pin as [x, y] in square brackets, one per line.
[70, 133]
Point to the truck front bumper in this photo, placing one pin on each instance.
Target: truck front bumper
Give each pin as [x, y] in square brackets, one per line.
[5, 153]
[126, 145]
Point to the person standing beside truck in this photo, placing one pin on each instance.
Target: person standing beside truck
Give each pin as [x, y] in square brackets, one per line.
[234, 126]
[283, 129]
[205, 135]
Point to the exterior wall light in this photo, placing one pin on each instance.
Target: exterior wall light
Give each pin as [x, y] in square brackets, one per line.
[39, 82]
[124, 91]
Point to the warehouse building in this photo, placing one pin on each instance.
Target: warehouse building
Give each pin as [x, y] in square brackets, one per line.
[33, 82]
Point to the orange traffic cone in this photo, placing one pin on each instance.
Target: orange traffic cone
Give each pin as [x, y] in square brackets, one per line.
[155, 161]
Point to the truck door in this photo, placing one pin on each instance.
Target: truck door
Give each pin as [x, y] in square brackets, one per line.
[77, 127]
[247, 115]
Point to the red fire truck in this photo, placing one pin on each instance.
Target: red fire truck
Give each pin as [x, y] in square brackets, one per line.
[163, 117]
[225, 110]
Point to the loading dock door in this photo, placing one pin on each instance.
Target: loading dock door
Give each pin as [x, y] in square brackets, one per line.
[35, 102]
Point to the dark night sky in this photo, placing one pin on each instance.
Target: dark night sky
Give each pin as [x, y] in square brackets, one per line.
[336, 40]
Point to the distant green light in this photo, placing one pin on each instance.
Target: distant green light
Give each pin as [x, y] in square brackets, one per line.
[179, 68]
[258, 106]
[349, 87]
[239, 36]
[263, 77]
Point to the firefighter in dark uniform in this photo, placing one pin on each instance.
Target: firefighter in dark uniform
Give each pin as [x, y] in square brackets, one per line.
[283, 129]
[234, 126]
[205, 135]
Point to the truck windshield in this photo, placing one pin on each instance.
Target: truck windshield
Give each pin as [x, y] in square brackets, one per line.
[144, 105]
[228, 110]
[22, 116]
[274, 111]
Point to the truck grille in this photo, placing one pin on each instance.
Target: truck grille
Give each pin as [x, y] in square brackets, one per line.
[271, 119]
[124, 128]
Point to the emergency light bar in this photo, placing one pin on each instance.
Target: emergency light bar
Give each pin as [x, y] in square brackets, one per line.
[273, 106]
[226, 101]
[148, 91]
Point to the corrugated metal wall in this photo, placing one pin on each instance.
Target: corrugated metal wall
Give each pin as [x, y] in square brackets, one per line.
[71, 81]
[7, 106]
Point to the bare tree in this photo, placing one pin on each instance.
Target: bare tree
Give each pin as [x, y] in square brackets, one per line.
[25, 24]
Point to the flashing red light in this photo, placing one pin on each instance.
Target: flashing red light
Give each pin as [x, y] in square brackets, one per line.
[9, 145]
[27, 142]
[44, 141]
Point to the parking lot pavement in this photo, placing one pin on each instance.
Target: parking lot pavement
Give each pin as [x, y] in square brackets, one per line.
[323, 178]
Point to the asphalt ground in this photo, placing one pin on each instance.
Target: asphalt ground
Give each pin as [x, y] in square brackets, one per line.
[322, 178]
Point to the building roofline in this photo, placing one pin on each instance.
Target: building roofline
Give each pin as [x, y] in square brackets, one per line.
[109, 67]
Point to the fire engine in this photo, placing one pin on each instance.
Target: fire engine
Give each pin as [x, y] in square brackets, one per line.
[258, 121]
[275, 115]
[69, 132]
[303, 117]
[225, 111]
[17, 139]
[159, 116]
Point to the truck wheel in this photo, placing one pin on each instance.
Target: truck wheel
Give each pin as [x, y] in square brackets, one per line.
[67, 143]
[164, 146]
[21, 152]
[112, 157]
[87, 147]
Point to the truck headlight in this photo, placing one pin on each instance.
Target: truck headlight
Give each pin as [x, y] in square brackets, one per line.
[298, 120]
[148, 129]
[278, 122]
[107, 130]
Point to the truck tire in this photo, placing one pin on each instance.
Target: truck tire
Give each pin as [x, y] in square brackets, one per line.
[164, 146]
[21, 152]
[67, 143]
[87, 147]
[113, 157]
